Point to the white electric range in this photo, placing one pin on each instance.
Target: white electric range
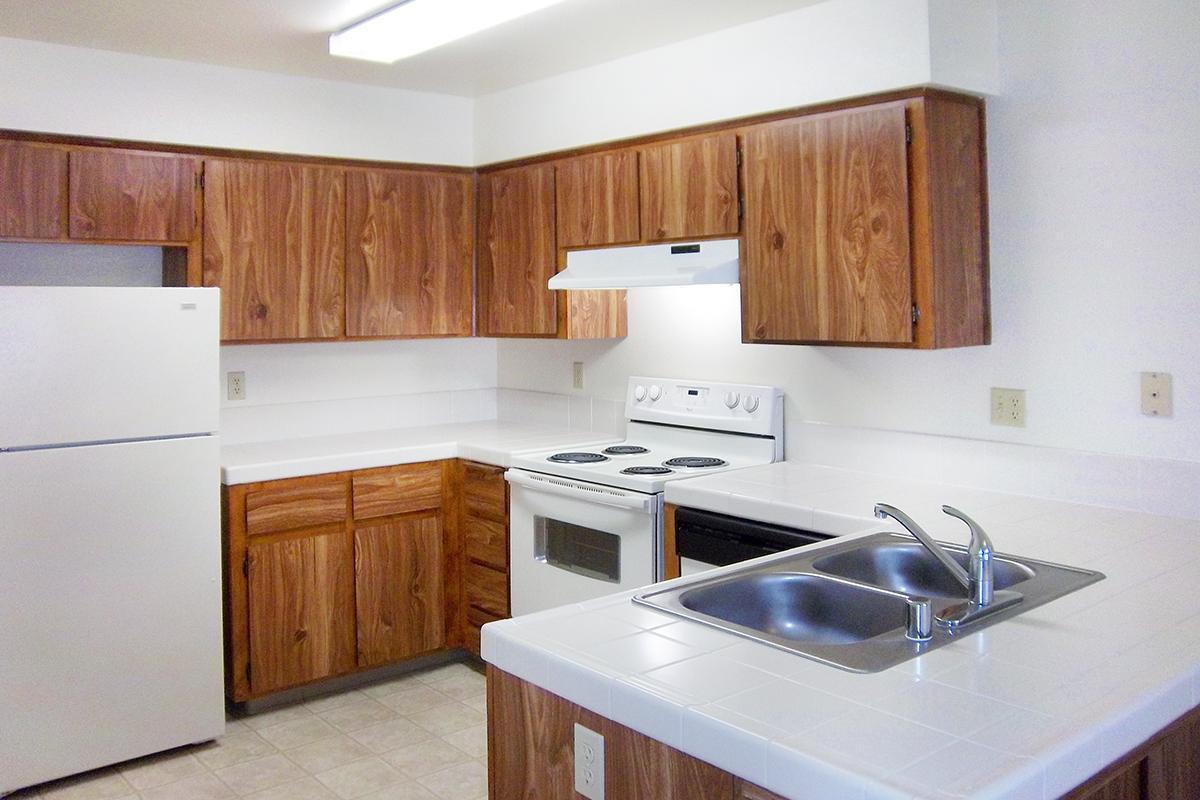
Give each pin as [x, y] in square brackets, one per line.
[586, 523]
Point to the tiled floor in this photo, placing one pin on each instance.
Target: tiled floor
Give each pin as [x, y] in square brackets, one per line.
[418, 737]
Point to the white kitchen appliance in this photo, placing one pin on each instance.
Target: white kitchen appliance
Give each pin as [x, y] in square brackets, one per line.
[110, 538]
[587, 523]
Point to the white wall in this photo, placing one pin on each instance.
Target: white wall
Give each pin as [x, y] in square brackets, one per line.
[1094, 235]
[58, 89]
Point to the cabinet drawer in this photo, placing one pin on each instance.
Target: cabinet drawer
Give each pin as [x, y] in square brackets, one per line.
[397, 490]
[487, 589]
[487, 541]
[476, 619]
[485, 491]
[300, 503]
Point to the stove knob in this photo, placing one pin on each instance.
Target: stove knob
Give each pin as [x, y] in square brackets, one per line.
[639, 393]
[750, 403]
[732, 399]
[655, 393]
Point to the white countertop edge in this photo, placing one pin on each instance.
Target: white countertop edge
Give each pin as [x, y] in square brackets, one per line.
[342, 462]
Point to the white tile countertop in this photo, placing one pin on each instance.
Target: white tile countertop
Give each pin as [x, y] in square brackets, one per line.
[491, 442]
[1027, 708]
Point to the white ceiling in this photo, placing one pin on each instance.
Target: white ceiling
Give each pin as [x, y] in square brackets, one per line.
[290, 36]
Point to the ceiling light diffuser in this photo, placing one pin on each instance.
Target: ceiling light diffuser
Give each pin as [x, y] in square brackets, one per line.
[419, 25]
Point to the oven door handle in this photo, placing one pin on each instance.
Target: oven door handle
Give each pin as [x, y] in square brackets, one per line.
[579, 490]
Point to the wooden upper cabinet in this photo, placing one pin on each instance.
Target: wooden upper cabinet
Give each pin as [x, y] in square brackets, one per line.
[689, 188]
[408, 258]
[827, 229]
[301, 610]
[597, 199]
[119, 195]
[516, 252]
[33, 190]
[274, 242]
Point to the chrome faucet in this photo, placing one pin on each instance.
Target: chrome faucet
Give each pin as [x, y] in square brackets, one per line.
[978, 583]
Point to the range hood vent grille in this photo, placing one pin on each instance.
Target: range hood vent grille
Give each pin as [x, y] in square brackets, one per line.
[682, 264]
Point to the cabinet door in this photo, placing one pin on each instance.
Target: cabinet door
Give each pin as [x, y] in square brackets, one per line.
[33, 191]
[827, 230]
[689, 188]
[133, 196]
[301, 610]
[274, 242]
[516, 252]
[398, 580]
[408, 264]
[597, 199]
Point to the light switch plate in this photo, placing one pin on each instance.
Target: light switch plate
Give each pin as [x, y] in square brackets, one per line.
[1008, 407]
[589, 763]
[1156, 394]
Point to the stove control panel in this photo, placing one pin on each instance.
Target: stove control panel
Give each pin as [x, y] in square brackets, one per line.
[734, 407]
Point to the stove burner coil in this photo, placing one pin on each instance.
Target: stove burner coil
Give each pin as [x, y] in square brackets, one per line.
[695, 462]
[646, 471]
[577, 458]
[625, 450]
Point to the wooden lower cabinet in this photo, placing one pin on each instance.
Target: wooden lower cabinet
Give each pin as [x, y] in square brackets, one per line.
[484, 516]
[531, 746]
[398, 589]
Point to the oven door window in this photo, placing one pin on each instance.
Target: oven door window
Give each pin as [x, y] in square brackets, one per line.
[575, 548]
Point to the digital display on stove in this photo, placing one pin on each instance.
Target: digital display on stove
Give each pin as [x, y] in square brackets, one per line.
[690, 396]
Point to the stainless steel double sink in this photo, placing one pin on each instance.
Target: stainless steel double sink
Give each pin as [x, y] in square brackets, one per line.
[846, 604]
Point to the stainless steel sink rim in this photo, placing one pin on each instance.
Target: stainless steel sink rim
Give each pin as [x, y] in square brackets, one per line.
[1048, 582]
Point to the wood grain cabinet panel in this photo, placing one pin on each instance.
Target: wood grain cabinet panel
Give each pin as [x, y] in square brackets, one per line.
[301, 610]
[748, 791]
[274, 242]
[597, 199]
[689, 188]
[487, 589]
[133, 196]
[486, 541]
[33, 190]
[296, 503]
[397, 490]
[485, 491]
[827, 229]
[408, 260]
[515, 252]
[398, 585]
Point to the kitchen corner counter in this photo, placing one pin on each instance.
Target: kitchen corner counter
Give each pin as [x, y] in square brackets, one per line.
[1027, 708]
[491, 442]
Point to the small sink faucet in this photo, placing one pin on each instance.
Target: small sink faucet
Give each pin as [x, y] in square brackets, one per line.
[979, 582]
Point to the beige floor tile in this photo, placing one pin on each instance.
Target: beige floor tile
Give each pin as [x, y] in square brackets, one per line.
[234, 748]
[334, 700]
[461, 782]
[418, 698]
[402, 791]
[197, 787]
[156, 770]
[445, 671]
[448, 718]
[104, 784]
[275, 716]
[328, 753]
[262, 773]
[461, 685]
[397, 684]
[425, 757]
[354, 780]
[479, 702]
[297, 732]
[472, 741]
[390, 735]
[359, 713]
[304, 789]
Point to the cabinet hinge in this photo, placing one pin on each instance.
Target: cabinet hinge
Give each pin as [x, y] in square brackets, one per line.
[916, 314]
[907, 133]
[200, 180]
[741, 208]
[739, 156]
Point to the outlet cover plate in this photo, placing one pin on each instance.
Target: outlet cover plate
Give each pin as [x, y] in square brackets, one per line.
[589, 763]
[1156, 394]
[1008, 407]
[235, 385]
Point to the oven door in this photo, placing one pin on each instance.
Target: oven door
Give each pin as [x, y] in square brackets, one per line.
[571, 541]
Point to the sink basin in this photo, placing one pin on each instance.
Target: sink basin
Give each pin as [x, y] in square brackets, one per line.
[909, 568]
[799, 607]
[845, 603]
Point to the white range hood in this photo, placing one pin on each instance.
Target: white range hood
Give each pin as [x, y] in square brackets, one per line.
[681, 264]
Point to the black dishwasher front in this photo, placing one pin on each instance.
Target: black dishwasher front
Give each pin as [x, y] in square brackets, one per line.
[705, 539]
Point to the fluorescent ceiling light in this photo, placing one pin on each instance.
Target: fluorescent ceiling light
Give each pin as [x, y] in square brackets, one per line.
[419, 25]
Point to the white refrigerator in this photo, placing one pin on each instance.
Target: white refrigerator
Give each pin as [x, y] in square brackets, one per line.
[110, 537]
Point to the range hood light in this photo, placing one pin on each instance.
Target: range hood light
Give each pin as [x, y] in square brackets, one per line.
[685, 264]
[419, 25]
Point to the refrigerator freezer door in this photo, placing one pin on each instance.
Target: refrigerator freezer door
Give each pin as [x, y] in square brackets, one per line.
[98, 364]
[110, 626]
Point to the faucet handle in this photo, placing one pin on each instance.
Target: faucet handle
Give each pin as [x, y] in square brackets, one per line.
[979, 538]
[982, 575]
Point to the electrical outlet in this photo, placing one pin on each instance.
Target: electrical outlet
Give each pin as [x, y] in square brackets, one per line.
[589, 763]
[235, 385]
[1156, 394]
[1008, 407]
[577, 375]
